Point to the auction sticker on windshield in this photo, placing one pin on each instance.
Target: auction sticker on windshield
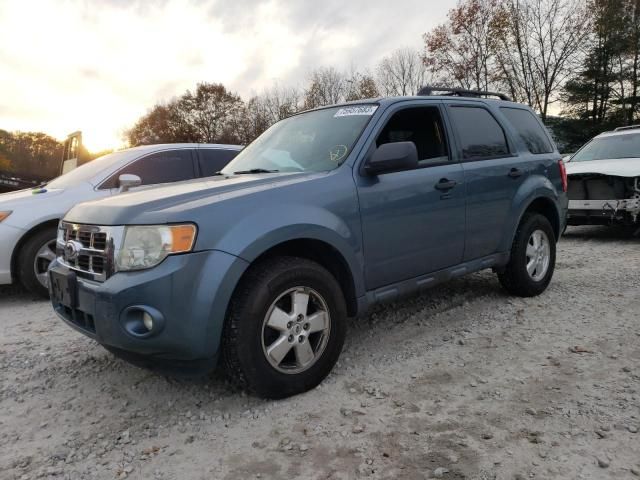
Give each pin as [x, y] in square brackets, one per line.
[367, 110]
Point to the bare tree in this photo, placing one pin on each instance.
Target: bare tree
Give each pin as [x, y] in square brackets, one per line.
[326, 87]
[280, 102]
[262, 111]
[461, 50]
[401, 73]
[360, 85]
[540, 43]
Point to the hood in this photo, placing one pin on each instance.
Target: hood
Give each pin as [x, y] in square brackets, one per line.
[172, 202]
[27, 197]
[619, 167]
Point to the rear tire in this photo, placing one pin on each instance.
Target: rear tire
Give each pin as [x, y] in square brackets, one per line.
[533, 257]
[34, 259]
[285, 327]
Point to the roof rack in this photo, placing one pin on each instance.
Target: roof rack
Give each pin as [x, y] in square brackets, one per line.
[460, 92]
[628, 127]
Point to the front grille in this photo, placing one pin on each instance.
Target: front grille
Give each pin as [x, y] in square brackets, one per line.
[90, 237]
[87, 249]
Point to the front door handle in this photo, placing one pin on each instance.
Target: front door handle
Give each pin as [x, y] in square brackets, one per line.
[515, 173]
[445, 184]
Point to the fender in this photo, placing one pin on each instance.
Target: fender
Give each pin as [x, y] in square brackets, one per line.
[298, 223]
[534, 187]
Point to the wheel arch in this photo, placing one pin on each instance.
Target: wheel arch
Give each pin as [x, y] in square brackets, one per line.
[322, 253]
[546, 207]
[25, 238]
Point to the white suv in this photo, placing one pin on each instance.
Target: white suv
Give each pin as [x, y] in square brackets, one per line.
[29, 218]
[604, 180]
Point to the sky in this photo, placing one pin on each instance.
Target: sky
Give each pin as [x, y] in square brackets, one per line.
[97, 66]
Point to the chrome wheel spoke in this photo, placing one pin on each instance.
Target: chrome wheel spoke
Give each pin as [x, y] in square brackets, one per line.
[47, 254]
[318, 322]
[279, 319]
[304, 353]
[531, 250]
[535, 238]
[279, 349]
[43, 278]
[300, 303]
[531, 267]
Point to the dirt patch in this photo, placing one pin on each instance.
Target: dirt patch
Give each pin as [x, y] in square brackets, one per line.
[461, 382]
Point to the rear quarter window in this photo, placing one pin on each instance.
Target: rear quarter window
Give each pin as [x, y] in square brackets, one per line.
[529, 129]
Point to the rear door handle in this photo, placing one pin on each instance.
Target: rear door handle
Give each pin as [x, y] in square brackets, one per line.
[515, 173]
[445, 184]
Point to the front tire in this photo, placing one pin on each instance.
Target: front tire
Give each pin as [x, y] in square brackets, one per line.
[533, 257]
[285, 327]
[34, 259]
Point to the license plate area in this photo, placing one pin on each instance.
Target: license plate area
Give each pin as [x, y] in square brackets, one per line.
[64, 288]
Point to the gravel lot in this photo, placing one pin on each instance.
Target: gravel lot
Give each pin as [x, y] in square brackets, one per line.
[460, 382]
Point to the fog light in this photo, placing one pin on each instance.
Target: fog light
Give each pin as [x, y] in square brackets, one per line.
[148, 321]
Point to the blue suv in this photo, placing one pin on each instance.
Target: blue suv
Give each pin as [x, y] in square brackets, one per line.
[327, 213]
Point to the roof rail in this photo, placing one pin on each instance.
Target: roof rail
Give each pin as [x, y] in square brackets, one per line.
[628, 127]
[460, 92]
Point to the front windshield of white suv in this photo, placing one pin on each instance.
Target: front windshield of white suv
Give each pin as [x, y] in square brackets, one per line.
[84, 173]
[314, 141]
[605, 148]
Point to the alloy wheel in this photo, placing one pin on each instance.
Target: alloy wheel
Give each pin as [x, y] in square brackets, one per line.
[538, 255]
[295, 330]
[45, 255]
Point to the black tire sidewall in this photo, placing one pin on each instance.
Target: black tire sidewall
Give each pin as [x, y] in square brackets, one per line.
[259, 375]
[26, 258]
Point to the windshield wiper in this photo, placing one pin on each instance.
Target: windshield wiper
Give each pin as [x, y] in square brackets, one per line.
[255, 170]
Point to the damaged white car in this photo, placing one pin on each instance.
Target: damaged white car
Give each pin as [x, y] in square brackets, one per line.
[604, 180]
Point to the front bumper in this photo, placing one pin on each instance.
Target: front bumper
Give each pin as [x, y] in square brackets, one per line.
[9, 238]
[188, 294]
[604, 211]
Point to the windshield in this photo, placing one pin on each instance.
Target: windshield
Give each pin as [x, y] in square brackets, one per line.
[86, 172]
[315, 141]
[604, 148]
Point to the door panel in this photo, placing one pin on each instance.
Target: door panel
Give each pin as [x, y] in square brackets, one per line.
[492, 175]
[490, 193]
[409, 227]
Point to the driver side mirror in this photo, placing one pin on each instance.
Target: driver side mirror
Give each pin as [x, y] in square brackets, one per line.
[127, 181]
[392, 157]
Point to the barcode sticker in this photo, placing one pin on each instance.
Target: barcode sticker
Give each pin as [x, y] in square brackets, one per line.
[367, 110]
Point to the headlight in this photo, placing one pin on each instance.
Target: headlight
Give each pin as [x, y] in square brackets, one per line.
[4, 215]
[147, 246]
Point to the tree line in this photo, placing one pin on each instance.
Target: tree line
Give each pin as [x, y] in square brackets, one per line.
[575, 62]
[34, 155]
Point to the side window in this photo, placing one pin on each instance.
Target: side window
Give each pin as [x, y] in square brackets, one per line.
[213, 160]
[529, 129]
[162, 167]
[422, 126]
[480, 135]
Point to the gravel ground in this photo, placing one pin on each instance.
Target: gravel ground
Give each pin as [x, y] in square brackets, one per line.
[460, 382]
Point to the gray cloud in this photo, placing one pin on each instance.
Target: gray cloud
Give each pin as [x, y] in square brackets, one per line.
[379, 27]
